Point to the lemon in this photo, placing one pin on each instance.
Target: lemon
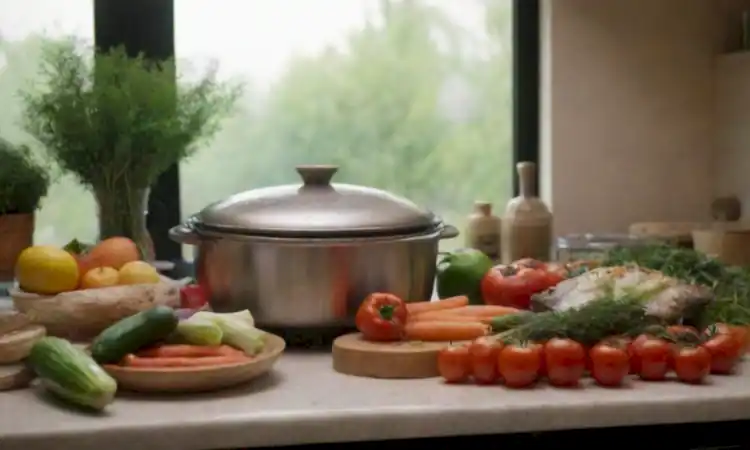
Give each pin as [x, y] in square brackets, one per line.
[138, 272]
[48, 270]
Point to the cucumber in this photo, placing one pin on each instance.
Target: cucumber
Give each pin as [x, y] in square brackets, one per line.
[71, 374]
[133, 333]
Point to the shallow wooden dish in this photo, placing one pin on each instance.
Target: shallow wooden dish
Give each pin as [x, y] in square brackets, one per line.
[82, 314]
[189, 379]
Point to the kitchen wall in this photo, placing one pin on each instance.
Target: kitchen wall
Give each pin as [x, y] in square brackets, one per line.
[629, 123]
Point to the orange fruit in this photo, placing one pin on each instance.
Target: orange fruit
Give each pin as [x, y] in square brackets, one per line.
[139, 272]
[113, 252]
[100, 277]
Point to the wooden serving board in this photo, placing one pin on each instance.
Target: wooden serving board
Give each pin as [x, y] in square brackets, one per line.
[352, 355]
[15, 376]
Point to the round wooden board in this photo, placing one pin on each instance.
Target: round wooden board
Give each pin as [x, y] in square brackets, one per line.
[15, 376]
[352, 355]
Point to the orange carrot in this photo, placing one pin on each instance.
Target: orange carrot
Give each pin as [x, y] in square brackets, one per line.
[188, 351]
[445, 331]
[484, 310]
[438, 305]
[477, 312]
[182, 361]
[443, 316]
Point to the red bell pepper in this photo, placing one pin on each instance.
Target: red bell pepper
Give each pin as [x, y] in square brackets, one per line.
[381, 317]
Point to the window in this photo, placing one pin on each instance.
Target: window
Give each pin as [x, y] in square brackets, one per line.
[413, 97]
[68, 211]
[430, 99]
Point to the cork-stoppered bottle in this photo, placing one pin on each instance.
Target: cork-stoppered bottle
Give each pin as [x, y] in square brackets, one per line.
[483, 231]
[527, 223]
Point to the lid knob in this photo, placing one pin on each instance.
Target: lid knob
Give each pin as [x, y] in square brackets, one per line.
[317, 175]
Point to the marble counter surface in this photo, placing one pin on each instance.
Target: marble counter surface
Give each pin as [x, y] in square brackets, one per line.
[303, 401]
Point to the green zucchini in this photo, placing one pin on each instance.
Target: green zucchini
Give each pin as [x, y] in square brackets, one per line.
[133, 333]
[71, 374]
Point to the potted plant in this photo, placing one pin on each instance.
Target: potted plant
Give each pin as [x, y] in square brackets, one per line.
[23, 184]
[118, 122]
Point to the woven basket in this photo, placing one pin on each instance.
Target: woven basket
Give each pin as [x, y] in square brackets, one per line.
[16, 234]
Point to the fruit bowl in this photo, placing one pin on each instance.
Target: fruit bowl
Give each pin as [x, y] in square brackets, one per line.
[82, 314]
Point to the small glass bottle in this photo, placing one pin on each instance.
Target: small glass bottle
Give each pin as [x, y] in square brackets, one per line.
[483, 230]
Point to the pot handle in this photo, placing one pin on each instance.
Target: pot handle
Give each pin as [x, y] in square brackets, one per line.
[184, 235]
[449, 232]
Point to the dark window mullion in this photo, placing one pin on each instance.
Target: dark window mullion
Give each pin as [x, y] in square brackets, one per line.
[526, 84]
[146, 26]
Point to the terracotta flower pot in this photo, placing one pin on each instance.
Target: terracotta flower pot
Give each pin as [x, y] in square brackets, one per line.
[16, 234]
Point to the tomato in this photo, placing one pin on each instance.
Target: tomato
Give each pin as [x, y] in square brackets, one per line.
[610, 363]
[381, 317]
[529, 263]
[519, 365]
[483, 355]
[535, 279]
[454, 363]
[725, 353]
[193, 296]
[553, 279]
[740, 333]
[654, 357]
[692, 364]
[565, 360]
[635, 362]
[512, 289]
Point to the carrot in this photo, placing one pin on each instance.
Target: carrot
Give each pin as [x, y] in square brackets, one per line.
[188, 351]
[444, 316]
[439, 305]
[182, 361]
[477, 312]
[484, 310]
[445, 331]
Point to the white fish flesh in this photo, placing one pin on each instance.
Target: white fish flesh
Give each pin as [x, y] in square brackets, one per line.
[664, 297]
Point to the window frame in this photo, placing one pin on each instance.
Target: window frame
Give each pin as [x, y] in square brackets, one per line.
[147, 26]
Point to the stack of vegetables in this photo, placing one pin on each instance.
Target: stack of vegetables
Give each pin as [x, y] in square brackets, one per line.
[385, 317]
[470, 273]
[158, 338]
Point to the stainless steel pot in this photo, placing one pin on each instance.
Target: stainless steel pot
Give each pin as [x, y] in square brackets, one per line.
[307, 255]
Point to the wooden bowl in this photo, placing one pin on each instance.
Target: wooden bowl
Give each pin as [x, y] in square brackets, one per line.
[83, 314]
[203, 379]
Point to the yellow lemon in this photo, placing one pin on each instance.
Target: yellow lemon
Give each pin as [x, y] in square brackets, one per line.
[138, 272]
[48, 270]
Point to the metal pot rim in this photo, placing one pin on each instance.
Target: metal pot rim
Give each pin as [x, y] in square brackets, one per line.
[189, 233]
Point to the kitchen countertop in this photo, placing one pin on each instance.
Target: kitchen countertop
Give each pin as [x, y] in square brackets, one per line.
[304, 402]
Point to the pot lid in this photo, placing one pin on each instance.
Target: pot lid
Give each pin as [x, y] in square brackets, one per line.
[316, 208]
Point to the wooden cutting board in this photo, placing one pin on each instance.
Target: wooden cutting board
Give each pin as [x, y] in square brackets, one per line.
[15, 376]
[352, 355]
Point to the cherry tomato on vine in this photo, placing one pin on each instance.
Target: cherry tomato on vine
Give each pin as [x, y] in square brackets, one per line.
[519, 364]
[654, 357]
[454, 363]
[725, 351]
[691, 364]
[483, 355]
[610, 363]
[565, 360]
